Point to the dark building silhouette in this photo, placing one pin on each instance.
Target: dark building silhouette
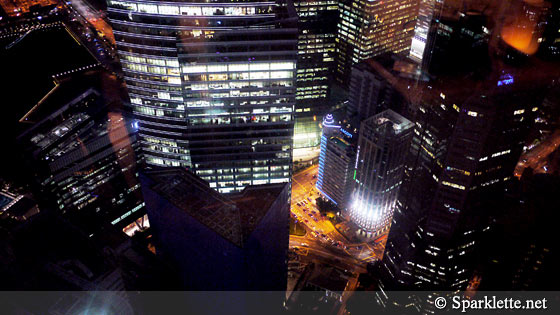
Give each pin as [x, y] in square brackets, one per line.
[519, 252]
[218, 242]
[318, 289]
[457, 36]
[550, 45]
[380, 83]
[16, 206]
[80, 152]
[46, 252]
[466, 145]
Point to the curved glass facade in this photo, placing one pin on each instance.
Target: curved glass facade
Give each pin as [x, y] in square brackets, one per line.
[212, 86]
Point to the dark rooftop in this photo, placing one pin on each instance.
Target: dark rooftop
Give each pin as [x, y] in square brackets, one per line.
[234, 216]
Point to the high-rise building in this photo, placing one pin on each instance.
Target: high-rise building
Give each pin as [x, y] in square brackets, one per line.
[382, 146]
[316, 63]
[369, 28]
[316, 51]
[336, 161]
[428, 11]
[518, 253]
[381, 83]
[212, 86]
[237, 241]
[17, 206]
[453, 37]
[465, 146]
[551, 35]
[463, 154]
[81, 152]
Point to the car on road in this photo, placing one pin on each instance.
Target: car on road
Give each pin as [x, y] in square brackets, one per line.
[306, 221]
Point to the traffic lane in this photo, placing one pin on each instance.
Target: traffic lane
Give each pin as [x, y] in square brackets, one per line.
[332, 252]
[347, 264]
[304, 241]
[310, 212]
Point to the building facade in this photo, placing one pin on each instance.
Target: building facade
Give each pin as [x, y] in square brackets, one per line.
[316, 63]
[428, 11]
[212, 86]
[336, 159]
[316, 52]
[382, 83]
[462, 158]
[230, 242]
[82, 157]
[369, 28]
[382, 146]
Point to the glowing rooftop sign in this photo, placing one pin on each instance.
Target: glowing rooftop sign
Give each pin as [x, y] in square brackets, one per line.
[328, 121]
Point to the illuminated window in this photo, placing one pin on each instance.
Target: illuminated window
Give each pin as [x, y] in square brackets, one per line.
[457, 186]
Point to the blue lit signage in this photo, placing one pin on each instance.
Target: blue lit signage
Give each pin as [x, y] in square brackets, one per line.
[328, 121]
[346, 133]
[505, 79]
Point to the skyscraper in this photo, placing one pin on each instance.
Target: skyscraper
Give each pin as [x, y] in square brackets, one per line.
[463, 155]
[316, 63]
[212, 86]
[336, 161]
[382, 83]
[427, 10]
[316, 51]
[370, 28]
[551, 36]
[237, 241]
[81, 152]
[382, 146]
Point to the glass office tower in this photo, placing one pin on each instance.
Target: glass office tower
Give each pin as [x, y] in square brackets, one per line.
[212, 86]
[316, 62]
[370, 28]
[382, 146]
